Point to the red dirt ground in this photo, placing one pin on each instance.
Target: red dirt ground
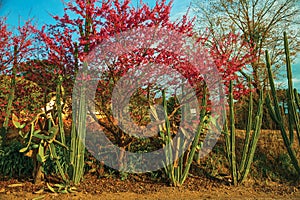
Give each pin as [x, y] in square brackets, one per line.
[136, 187]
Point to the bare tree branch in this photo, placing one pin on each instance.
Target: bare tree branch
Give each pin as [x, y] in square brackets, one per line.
[259, 21]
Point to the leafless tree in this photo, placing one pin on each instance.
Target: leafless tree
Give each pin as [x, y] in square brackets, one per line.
[260, 21]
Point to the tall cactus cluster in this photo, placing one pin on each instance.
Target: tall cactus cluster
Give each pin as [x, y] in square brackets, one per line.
[293, 107]
[240, 169]
[78, 131]
[79, 114]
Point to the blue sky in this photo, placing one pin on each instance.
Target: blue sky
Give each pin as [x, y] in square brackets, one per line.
[21, 10]
[40, 10]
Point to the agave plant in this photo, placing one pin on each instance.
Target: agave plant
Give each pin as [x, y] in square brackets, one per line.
[41, 139]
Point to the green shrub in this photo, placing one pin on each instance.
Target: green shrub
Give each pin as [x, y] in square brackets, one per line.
[14, 164]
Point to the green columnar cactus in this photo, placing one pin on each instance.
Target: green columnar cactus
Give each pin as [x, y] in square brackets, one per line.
[274, 108]
[78, 131]
[59, 97]
[249, 126]
[256, 132]
[292, 109]
[297, 101]
[78, 135]
[11, 97]
[240, 174]
[232, 136]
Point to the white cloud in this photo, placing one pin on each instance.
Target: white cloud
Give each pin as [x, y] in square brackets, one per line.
[296, 80]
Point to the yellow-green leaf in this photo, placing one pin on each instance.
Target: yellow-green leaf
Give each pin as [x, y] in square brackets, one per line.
[22, 126]
[51, 188]
[64, 191]
[40, 197]
[23, 149]
[72, 189]
[15, 185]
[39, 191]
[15, 121]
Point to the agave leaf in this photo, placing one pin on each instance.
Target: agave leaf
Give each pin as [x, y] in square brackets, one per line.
[72, 189]
[15, 121]
[30, 138]
[61, 144]
[40, 197]
[64, 191]
[51, 188]
[213, 120]
[36, 132]
[34, 146]
[39, 191]
[23, 149]
[16, 185]
[22, 134]
[59, 185]
[42, 137]
[40, 156]
[22, 126]
[53, 131]
[41, 149]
